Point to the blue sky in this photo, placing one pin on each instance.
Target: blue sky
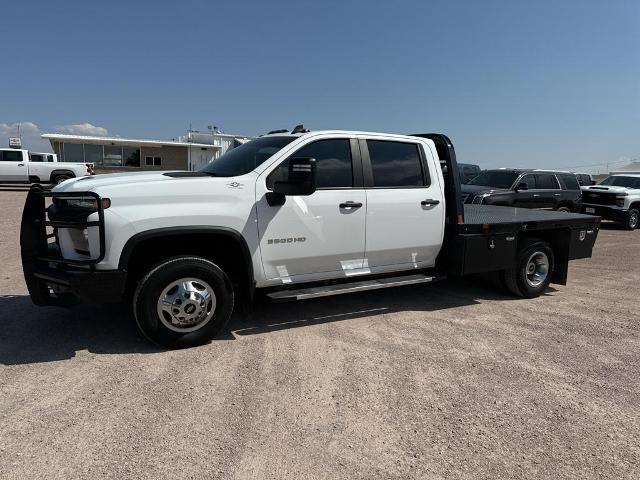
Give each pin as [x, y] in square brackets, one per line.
[514, 83]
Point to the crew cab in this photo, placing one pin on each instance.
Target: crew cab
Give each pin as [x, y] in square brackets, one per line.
[616, 198]
[16, 166]
[290, 216]
[547, 190]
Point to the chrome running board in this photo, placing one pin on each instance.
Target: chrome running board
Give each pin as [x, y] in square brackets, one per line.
[351, 287]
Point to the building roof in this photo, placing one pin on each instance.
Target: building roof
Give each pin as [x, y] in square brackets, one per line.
[63, 137]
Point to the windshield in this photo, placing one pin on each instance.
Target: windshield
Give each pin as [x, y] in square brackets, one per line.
[247, 157]
[616, 181]
[495, 179]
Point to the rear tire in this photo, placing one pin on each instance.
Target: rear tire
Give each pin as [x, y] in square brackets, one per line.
[58, 179]
[533, 272]
[183, 302]
[633, 219]
[564, 209]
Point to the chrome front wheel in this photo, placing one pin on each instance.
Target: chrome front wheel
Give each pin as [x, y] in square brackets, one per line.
[187, 304]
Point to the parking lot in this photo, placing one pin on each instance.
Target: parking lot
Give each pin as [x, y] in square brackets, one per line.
[453, 380]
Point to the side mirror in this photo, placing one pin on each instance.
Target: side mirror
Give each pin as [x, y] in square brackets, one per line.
[522, 186]
[301, 179]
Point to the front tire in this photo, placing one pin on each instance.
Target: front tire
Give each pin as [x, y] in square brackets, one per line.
[564, 209]
[633, 219]
[183, 302]
[533, 271]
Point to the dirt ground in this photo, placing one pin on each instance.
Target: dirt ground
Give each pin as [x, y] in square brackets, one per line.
[446, 381]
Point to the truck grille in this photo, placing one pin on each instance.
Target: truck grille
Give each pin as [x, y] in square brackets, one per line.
[598, 198]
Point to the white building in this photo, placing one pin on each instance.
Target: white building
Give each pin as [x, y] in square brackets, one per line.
[117, 154]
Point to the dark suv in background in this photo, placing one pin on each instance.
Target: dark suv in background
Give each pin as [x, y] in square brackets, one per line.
[542, 189]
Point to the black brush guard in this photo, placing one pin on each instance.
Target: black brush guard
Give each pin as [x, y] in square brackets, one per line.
[46, 271]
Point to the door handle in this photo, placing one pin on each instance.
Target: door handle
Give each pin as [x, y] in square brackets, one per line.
[21, 164]
[350, 205]
[556, 194]
[429, 201]
[535, 195]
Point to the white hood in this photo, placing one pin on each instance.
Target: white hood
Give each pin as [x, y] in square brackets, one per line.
[605, 189]
[97, 181]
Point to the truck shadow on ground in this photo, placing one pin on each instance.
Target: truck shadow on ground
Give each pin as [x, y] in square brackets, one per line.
[31, 334]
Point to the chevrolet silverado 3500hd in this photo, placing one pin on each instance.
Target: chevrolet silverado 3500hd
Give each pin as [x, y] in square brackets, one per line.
[294, 215]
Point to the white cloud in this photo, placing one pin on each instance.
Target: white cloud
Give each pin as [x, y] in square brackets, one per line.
[83, 129]
[30, 133]
[26, 128]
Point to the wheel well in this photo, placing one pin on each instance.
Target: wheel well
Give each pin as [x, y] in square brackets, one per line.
[57, 173]
[228, 250]
[559, 241]
[635, 205]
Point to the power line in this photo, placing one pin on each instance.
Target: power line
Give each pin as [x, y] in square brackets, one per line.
[604, 164]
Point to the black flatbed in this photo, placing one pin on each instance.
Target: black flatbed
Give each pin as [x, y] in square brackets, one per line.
[489, 238]
[483, 217]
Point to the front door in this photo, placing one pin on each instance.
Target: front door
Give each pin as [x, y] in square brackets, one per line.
[405, 211]
[525, 198]
[321, 235]
[13, 168]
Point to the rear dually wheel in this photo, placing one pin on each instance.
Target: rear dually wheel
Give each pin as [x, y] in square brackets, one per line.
[533, 271]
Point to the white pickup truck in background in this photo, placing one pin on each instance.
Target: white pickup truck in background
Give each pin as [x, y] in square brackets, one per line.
[17, 166]
[615, 198]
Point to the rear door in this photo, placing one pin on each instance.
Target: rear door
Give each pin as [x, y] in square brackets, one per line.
[547, 194]
[13, 167]
[405, 210]
[321, 235]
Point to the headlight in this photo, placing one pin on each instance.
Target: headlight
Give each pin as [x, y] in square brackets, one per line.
[479, 199]
[620, 202]
[74, 209]
[89, 204]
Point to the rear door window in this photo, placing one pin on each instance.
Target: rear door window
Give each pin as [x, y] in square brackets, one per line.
[395, 164]
[36, 158]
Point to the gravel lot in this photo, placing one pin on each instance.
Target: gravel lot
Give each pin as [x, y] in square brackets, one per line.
[448, 381]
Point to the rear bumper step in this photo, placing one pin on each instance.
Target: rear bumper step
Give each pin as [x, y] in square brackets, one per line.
[352, 287]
